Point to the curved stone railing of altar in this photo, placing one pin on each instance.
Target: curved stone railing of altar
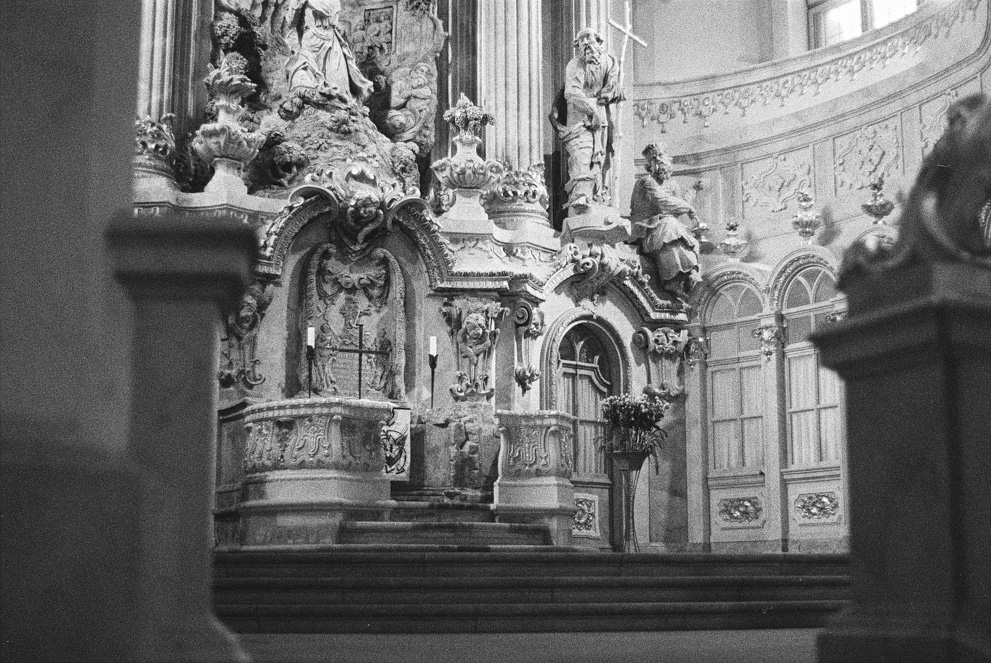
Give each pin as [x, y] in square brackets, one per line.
[317, 433]
[691, 116]
[535, 464]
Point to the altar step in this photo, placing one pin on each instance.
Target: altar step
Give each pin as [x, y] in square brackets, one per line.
[375, 590]
[470, 534]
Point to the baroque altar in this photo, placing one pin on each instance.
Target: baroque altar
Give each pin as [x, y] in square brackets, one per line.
[419, 344]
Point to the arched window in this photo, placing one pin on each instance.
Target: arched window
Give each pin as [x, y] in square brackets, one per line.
[586, 374]
[812, 391]
[734, 379]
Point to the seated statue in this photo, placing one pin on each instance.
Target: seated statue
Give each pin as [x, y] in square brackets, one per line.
[655, 209]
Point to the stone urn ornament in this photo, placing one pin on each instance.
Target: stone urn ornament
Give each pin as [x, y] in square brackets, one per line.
[806, 221]
[878, 206]
[734, 246]
[225, 144]
[465, 172]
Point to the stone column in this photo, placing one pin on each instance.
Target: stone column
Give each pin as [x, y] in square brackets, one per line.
[510, 84]
[178, 273]
[696, 438]
[915, 354]
[511, 50]
[770, 335]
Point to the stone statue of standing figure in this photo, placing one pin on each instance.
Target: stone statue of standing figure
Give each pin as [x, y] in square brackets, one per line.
[322, 70]
[655, 209]
[584, 118]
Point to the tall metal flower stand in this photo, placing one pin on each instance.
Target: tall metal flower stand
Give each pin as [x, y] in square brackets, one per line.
[629, 464]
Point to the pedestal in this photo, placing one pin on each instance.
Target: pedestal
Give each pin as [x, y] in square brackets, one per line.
[535, 470]
[178, 273]
[599, 225]
[915, 353]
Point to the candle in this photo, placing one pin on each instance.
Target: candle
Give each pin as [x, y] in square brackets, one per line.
[433, 345]
[311, 336]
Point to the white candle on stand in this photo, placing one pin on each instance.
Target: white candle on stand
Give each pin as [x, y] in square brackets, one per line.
[311, 336]
[433, 345]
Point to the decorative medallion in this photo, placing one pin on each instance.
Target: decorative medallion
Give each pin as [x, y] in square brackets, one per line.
[740, 510]
[817, 506]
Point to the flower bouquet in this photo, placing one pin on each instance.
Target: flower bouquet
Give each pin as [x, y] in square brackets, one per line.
[633, 423]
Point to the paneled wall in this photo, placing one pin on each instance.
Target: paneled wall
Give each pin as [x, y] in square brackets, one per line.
[766, 445]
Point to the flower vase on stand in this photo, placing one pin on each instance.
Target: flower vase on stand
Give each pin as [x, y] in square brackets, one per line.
[629, 464]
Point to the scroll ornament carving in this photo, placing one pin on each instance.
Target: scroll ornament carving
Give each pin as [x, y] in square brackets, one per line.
[933, 120]
[599, 265]
[364, 200]
[585, 522]
[226, 143]
[473, 330]
[741, 98]
[771, 337]
[740, 510]
[779, 181]
[154, 144]
[535, 445]
[817, 506]
[665, 349]
[941, 221]
[238, 363]
[869, 153]
[529, 326]
[299, 441]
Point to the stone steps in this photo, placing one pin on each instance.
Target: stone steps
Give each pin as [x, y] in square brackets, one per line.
[376, 590]
[443, 533]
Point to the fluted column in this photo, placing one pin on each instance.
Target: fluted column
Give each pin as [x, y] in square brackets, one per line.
[511, 49]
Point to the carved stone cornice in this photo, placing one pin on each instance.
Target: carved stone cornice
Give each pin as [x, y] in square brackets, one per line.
[709, 107]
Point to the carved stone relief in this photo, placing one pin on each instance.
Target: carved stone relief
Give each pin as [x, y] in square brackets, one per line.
[868, 153]
[932, 116]
[740, 510]
[338, 435]
[473, 330]
[529, 327]
[664, 349]
[535, 445]
[238, 363]
[586, 520]
[774, 181]
[357, 309]
[817, 506]
[771, 338]
[599, 265]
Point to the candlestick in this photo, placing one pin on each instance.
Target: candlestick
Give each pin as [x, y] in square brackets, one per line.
[433, 370]
[310, 352]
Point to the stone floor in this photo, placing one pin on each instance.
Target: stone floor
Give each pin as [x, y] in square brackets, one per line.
[772, 646]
